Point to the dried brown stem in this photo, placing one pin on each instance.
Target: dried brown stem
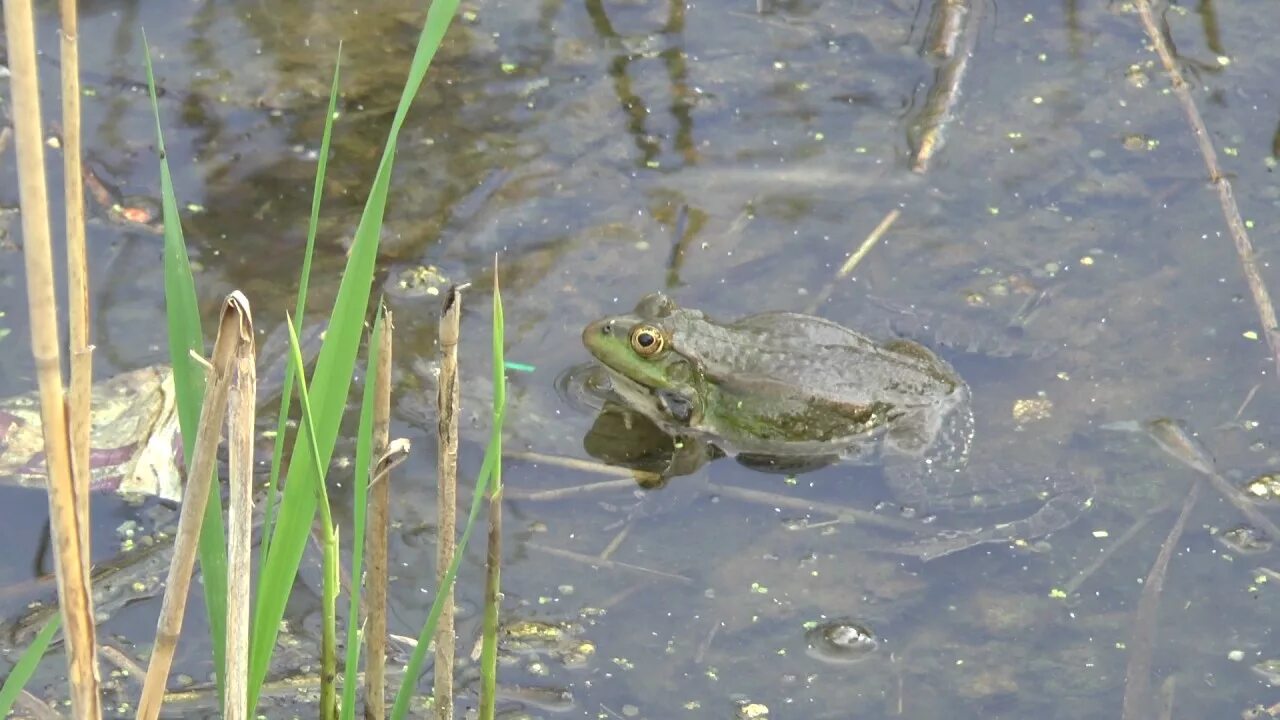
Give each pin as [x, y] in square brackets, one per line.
[240, 428]
[1226, 196]
[234, 328]
[67, 527]
[376, 526]
[79, 408]
[447, 401]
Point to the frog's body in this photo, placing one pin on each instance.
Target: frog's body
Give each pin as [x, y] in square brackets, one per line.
[789, 385]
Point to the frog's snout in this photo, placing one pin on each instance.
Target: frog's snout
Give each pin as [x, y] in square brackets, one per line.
[593, 332]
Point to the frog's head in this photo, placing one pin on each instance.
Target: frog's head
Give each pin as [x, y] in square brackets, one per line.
[650, 373]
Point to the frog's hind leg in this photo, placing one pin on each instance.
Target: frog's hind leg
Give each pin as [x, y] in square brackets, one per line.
[1058, 512]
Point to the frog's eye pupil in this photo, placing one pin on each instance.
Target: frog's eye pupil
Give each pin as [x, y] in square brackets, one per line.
[646, 341]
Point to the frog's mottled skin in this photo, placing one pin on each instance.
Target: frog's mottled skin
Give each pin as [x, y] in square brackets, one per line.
[790, 385]
[784, 383]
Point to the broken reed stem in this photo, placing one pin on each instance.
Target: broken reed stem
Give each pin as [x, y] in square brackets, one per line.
[376, 526]
[80, 407]
[1226, 196]
[67, 527]
[234, 327]
[1137, 674]
[447, 401]
[242, 404]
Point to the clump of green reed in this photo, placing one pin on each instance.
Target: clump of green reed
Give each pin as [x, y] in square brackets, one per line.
[289, 514]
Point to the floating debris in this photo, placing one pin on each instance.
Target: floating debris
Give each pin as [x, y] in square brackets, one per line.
[1032, 409]
[1265, 488]
[1245, 540]
[752, 711]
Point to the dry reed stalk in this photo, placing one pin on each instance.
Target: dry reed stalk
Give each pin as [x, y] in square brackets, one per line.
[447, 401]
[80, 406]
[234, 328]
[1226, 196]
[241, 417]
[377, 525]
[67, 528]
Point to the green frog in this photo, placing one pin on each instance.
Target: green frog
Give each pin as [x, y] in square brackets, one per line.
[788, 385]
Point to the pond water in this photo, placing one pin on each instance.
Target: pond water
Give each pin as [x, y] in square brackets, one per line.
[1063, 249]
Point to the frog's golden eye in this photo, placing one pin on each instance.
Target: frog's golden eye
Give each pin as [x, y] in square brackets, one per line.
[647, 341]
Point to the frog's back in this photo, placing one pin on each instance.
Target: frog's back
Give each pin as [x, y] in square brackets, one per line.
[814, 358]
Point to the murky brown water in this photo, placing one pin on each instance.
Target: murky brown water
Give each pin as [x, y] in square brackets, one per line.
[568, 136]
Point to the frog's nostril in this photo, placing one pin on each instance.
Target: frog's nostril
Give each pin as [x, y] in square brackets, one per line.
[606, 329]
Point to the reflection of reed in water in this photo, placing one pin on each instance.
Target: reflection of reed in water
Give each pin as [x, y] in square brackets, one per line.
[633, 106]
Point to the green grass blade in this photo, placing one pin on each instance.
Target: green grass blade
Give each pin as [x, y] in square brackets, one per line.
[329, 591]
[489, 646]
[335, 365]
[185, 338]
[489, 469]
[359, 504]
[304, 283]
[21, 673]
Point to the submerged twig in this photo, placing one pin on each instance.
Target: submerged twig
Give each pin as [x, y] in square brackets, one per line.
[634, 476]
[1087, 572]
[572, 490]
[1174, 438]
[598, 562]
[1167, 689]
[953, 35]
[1137, 674]
[841, 512]
[448, 398]
[1226, 196]
[35, 707]
[856, 258]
